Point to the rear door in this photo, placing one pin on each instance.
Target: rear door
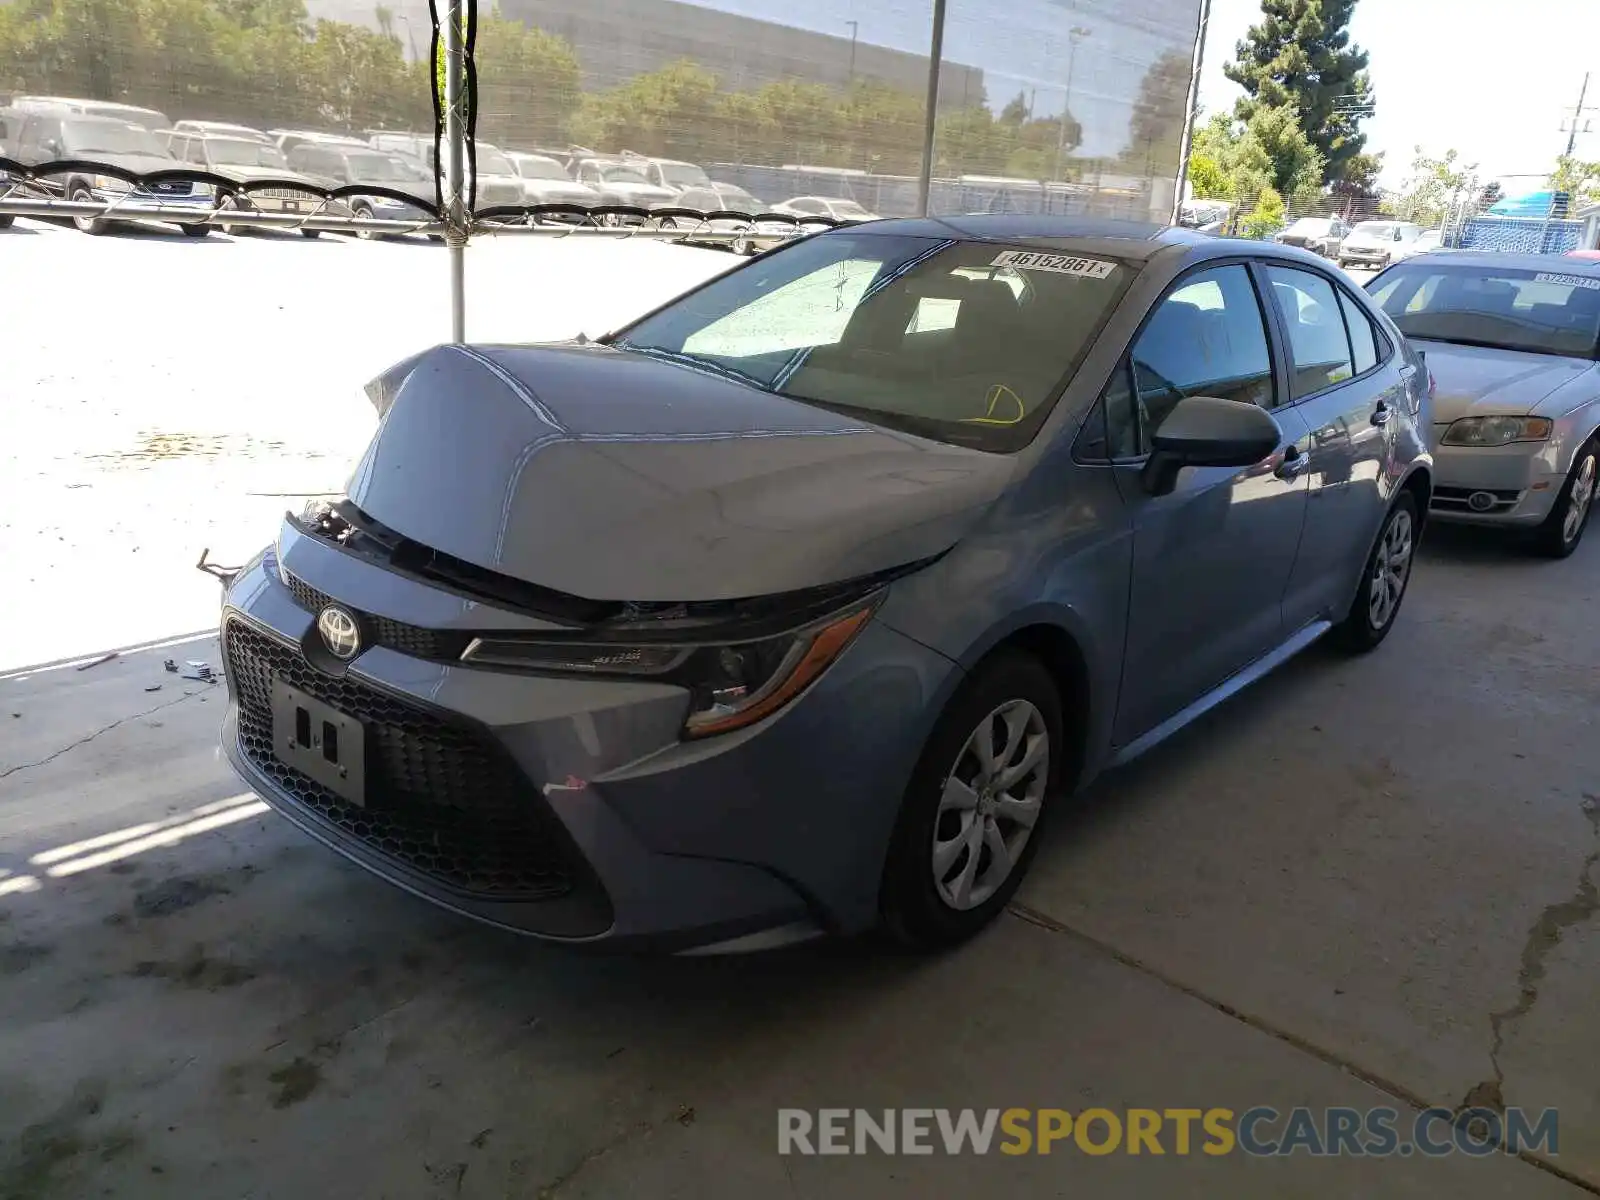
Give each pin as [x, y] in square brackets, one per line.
[1346, 382]
[1213, 558]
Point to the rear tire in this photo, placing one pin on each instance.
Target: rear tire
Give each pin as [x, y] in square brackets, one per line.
[196, 231]
[311, 234]
[944, 877]
[6, 220]
[1562, 530]
[1384, 581]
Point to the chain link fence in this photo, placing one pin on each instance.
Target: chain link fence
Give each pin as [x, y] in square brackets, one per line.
[738, 123]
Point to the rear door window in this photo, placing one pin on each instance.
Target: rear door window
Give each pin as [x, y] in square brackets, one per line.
[1319, 345]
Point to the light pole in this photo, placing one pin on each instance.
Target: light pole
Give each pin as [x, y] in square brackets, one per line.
[1075, 36]
[855, 28]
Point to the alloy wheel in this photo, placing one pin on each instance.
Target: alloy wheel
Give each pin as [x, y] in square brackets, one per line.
[1579, 500]
[1391, 568]
[990, 802]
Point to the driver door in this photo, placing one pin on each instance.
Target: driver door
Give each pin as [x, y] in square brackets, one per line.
[1211, 560]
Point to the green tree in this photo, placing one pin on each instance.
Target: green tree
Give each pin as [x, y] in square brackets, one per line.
[1269, 216]
[1434, 187]
[1300, 55]
[527, 82]
[1579, 179]
[672, 112]
[1155, 131]
[1207, 179]
[1296, 164]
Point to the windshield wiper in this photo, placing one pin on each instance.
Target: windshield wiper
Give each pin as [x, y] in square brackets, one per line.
[694, 360]
[927, 427]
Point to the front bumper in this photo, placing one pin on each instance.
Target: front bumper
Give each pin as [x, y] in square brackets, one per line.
[568, 808]
[1521, 481]
[1364, 258]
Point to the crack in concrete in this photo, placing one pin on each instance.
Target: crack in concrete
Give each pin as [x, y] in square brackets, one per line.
[1332, 1058]
[641, 1129]
[1543, 936]
[50, 758]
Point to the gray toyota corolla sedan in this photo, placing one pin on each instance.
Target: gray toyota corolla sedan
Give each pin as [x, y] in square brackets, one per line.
[794, 606]
[1512, 342]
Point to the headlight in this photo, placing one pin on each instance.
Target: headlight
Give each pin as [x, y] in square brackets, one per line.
[1497, 431]
[203, 189]
[109, 183]
[730, 685]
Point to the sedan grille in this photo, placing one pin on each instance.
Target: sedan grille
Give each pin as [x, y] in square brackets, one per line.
[437, 645]
[286, 194]
[442, 797]
[171, 187]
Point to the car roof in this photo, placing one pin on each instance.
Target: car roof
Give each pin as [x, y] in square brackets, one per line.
[1491, 260]
[1135, 239]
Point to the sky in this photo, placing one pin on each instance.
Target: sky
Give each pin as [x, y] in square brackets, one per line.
[1493, 79]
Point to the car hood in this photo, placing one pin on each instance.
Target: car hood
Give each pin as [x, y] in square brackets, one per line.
[139, 164]
[1478, 381]
[243, 174]
[554, 189]
[609, 475]
[645, 192]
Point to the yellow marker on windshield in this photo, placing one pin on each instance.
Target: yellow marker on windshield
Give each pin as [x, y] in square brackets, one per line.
[996, 394]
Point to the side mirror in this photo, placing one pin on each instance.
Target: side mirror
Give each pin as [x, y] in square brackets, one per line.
[1204, 431]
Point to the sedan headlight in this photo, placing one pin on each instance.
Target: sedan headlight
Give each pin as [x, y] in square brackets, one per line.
[730, 685]
[203, 189]
[110, 183]
[1497, 431]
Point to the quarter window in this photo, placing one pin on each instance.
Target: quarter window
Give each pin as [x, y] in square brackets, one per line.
[1363, 339]
[1318, 342]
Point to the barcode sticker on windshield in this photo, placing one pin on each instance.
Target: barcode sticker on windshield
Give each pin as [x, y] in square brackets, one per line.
[1061, 264]
[1578, 281]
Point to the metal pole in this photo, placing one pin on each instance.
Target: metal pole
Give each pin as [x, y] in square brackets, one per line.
[1074, 37]
[1577, 117]
[935, 58]
[855, 28]
[1190, 106]
[457, 219]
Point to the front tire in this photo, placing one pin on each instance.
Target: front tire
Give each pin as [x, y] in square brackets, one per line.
[970, 818]
[90, 225]
[311, 234]
[1562, 530]
[196, 231]
[1384, 580]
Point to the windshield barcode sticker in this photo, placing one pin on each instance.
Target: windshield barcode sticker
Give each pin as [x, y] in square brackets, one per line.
[1577, 281]
[1061, 264]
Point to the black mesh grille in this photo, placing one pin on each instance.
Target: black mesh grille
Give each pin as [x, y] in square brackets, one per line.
[441, 797]
[442, 645]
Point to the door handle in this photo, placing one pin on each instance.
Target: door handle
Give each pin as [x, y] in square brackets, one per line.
[1381, 414]
[1294, 464]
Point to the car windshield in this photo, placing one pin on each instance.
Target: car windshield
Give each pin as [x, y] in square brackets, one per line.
[1542, 312]
[621, 175]
[380, 168]
[241, 152]
[1375, 229]
[540, 168]
[684, 175]
[492, 162]
[735, 199]
[1310, 227]
[109, 137]
[963, 342]
[847, 208]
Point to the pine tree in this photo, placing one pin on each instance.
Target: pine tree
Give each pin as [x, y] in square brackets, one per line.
[1300, 54]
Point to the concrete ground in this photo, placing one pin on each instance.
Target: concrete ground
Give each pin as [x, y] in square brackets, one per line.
[1366, 883]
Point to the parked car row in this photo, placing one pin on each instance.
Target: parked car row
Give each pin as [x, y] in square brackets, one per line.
[38, 129]
[1368, 244]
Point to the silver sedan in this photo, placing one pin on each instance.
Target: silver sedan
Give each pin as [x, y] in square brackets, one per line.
[1512, 343]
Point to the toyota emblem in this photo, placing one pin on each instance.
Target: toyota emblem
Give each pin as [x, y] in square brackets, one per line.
[340, 632]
